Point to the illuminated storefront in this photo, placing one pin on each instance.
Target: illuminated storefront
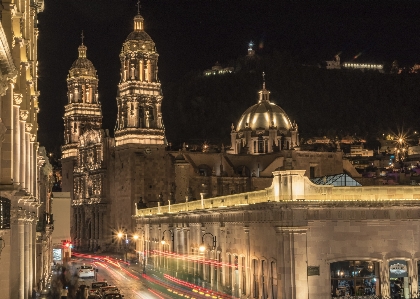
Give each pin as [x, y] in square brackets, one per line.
[355, 278]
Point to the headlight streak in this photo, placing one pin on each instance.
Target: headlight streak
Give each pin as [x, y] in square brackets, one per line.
[172, 284]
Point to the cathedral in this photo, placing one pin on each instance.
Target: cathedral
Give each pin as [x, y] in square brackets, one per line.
[110, 177]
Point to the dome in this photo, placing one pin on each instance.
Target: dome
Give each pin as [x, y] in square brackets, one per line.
[139, 35]
[264, 115]
[82, 65]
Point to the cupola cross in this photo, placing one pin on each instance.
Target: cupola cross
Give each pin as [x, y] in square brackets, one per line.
[82, 36]
[138, 7]
[263, 75]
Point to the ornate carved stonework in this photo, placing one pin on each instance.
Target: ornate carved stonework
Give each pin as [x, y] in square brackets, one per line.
[28, 127]
[17, 98]
[24, 114]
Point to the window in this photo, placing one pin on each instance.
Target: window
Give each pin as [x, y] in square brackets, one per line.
[263, 279]
[260, 144]
[311, 172]
[243, 275]
[254, 269]
[4, 213]
[273, 279]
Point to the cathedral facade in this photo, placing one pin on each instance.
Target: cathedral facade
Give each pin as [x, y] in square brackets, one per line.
[111, 177]
[25, 173]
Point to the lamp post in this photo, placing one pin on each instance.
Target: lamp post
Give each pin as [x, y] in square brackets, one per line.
[126, 242]
[120, 236]
[164, 242]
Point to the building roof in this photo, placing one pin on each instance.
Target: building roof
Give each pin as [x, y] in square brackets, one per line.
[339, 180]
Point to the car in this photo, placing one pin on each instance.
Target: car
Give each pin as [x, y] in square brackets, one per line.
[93, 292]
[86, 271]
[113, 295]
[107, 290]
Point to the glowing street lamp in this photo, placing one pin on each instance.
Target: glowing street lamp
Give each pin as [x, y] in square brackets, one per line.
[202, 247]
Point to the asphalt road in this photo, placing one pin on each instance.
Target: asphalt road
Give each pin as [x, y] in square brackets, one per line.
[128, 280]
[133, 284]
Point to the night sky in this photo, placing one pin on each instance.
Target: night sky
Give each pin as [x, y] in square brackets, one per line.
[193, 35]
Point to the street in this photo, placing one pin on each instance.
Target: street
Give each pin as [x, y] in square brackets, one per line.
[129, 279]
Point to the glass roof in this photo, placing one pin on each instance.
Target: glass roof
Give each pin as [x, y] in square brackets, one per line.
[339, 180]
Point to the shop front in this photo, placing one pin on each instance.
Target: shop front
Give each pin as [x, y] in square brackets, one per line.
[355, 278]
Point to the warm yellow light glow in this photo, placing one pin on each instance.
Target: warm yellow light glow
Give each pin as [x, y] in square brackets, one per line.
[163, 242]
[120, 235]
[202, 248]
[135, 237]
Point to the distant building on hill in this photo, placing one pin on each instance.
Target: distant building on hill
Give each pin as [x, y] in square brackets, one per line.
[363, 66]
[217, 69]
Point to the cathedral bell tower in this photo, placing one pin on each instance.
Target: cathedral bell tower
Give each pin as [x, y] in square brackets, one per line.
[83, 110]
[139, 119]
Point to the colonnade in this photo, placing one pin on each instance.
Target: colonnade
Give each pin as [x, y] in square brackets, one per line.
[23, 276]
[179, 253]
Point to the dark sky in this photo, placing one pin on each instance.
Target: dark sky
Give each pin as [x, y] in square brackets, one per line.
[194, 34]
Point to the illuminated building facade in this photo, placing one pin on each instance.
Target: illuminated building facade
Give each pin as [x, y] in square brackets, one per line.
[110, 178]
[293, 239]
[25, 173]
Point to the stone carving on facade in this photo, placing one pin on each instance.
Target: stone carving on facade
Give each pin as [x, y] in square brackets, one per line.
[24, 114]
[28, 127]
[17, 98]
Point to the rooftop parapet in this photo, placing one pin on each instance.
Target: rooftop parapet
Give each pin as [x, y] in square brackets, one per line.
[292, 186]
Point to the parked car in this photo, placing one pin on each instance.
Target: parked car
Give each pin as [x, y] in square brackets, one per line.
[108, 290]
[112, 296]
[86, 271]
[93, 292]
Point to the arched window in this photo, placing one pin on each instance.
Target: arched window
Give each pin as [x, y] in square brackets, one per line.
[264, 279]
[260, 144]
[254, 271]
[273, 279]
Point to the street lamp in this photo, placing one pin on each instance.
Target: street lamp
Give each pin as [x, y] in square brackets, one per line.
[202, 247]
[120, 236]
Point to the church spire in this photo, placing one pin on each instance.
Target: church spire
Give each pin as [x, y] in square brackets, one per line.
[82, 48]
[138, 19]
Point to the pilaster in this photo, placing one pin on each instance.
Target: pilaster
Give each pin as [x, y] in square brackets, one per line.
[291, 242]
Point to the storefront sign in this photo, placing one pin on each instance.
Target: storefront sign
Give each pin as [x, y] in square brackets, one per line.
[398, 269]
[313, 270]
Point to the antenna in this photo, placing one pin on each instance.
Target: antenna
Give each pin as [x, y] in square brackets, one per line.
[138, 7]
[82, 36]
